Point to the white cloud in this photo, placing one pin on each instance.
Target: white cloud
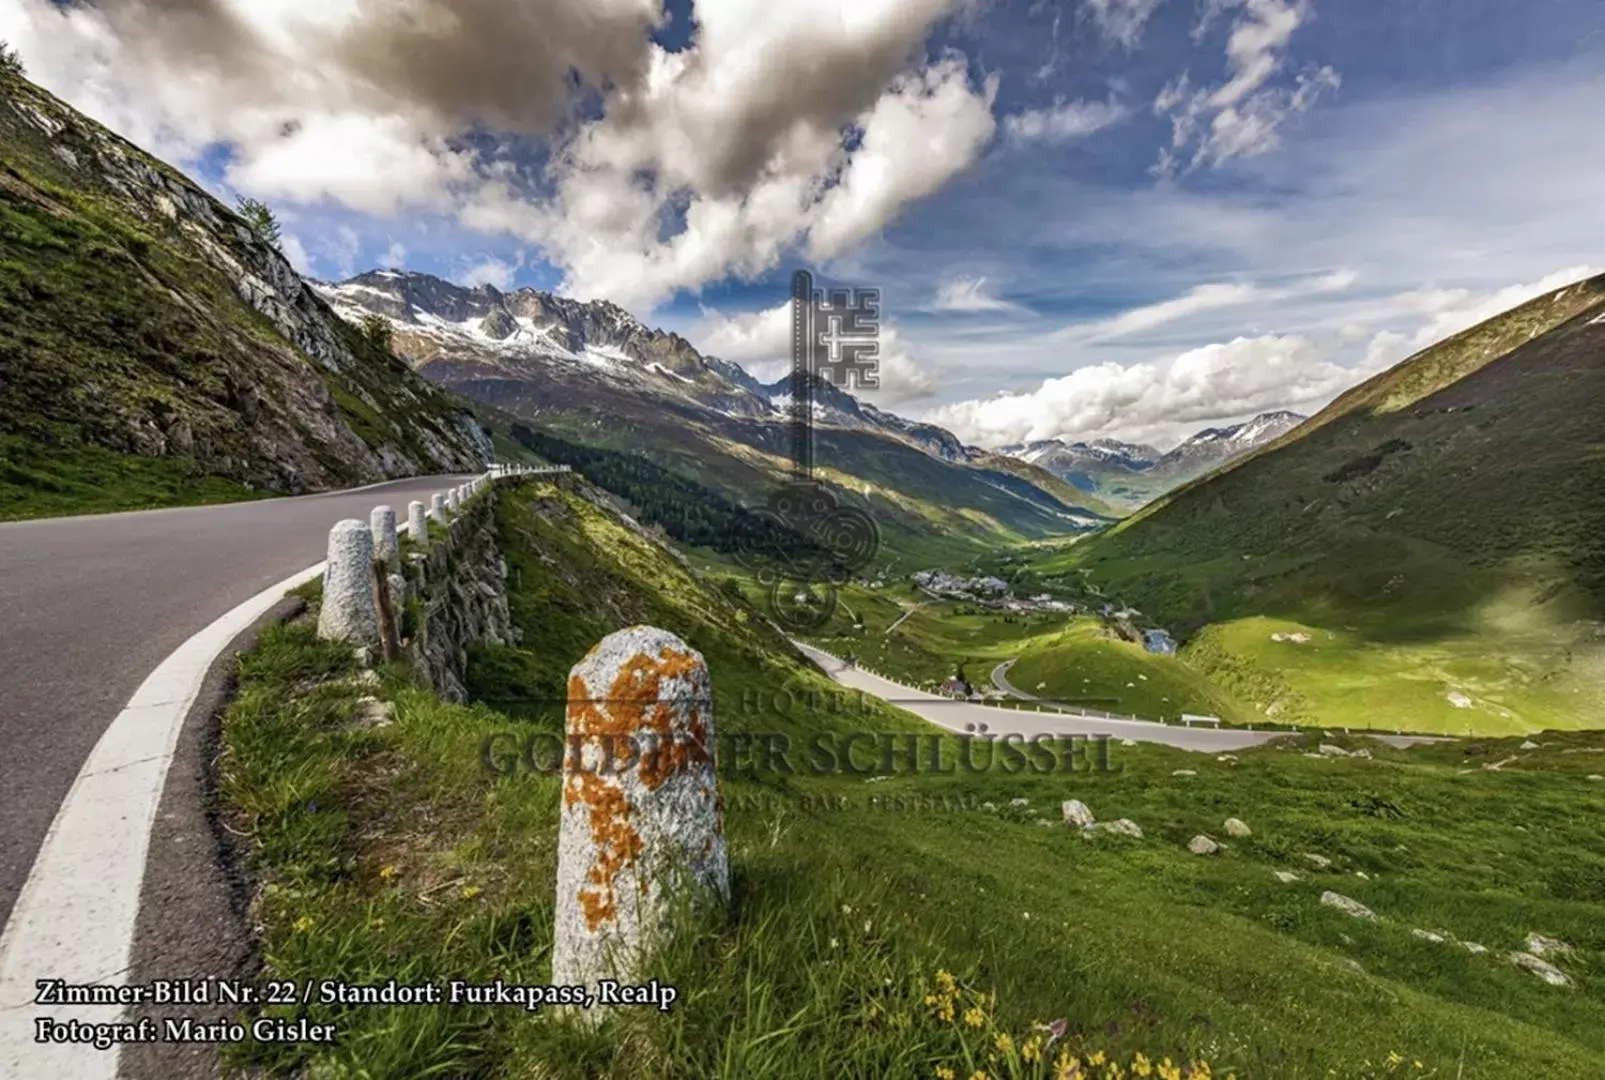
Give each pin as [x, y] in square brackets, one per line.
[1243, 116]
[296, 252]
[1449, 311]
[969, 295]
[1121, 21]
[340, 250]
[1063, 121]
[780, 125]
[761, 342]
[1154, 401]
[497, 273]
[395, 256]
[1211, 296]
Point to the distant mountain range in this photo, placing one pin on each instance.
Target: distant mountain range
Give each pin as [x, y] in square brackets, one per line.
[593, 373]
[1125, 474]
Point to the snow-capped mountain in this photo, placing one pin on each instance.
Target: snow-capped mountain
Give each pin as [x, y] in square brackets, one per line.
[1216, 446]
[591, 373]
[1129, 473]
[434, 321]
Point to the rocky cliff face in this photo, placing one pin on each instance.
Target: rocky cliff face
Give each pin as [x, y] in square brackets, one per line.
[140, 314]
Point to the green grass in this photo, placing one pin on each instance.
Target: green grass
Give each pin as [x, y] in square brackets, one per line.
[391, 852]
[121, 334]
[1436, 532]
[40, 481]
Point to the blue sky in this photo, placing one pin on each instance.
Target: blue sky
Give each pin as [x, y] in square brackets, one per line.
[1088, 218]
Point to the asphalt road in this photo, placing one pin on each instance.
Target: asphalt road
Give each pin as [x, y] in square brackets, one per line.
[955, 715]
[90, 605]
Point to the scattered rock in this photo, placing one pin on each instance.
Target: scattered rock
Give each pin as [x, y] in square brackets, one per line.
[1237, 827]
[1551, 974]
[1348, 906]
[1428, 935]
[1360, 753]
[372, 713]
[1473, 948]
[1018, 803]
[990, 808]
[1287, 877]
[1320, 862]
[1528, 744]
[1043, 821]
[1331, 750]
[1596, 777]
[1077, 814]
[1184, 772]
[1120, 827]
[1202, 845]
[1230, 758]
[1127, 742]
[1362, 875]
[1539, 945]
[1459, 700]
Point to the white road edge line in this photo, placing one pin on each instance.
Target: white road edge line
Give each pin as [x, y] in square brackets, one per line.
[74, 919]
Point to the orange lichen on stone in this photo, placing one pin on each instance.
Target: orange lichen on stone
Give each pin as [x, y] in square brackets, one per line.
[618, 844]
[633, 707]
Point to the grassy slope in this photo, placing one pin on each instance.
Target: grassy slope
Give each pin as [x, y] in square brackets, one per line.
[121, 340]
[389, 852]
[1436, 532]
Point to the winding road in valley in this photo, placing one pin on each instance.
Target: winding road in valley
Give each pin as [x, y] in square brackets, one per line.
[954, 715]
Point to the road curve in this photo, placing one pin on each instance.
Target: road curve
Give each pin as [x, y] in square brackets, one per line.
[90, 605]
[954, 715]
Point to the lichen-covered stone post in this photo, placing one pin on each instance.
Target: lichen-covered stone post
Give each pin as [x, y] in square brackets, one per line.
[417, 522]
[349, 612]
[382, 522]
[437, 507]
[451, 504]
[642, 828]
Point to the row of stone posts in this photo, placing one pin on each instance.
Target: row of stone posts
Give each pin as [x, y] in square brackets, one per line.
[641, 837]
[352, 608]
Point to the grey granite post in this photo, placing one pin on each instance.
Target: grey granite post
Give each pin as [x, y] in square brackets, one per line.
[417, 522]
[642, 821]
[437, 508]
[349, 612]
[382, 522]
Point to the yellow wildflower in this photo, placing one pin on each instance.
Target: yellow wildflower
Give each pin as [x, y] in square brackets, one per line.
[945, 1073]
[974, 1017]
[1141, 1066]
[946, 982]
[1068, 1067]
[1167, 1071]
[1004, 1042]
[1395, 1059]
[979, 1074]
[470, 891]
[1031, 1050]
[1096, 1059]
[304, 923]
[386, 873]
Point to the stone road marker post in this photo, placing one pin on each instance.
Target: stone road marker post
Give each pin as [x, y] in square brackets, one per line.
[437, 507]
[642, 829]
[417, 522]
[386, 547]
[349, 613]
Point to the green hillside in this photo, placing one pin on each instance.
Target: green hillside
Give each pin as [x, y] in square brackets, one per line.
[1436, 534]
[154, 350]
[862, 903]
